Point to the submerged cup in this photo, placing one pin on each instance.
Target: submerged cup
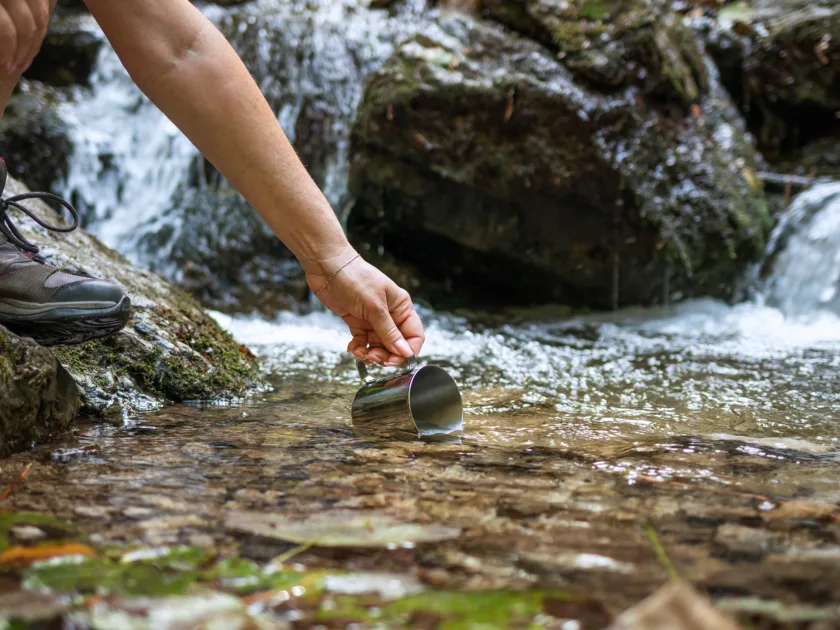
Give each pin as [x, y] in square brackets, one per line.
[420, 401]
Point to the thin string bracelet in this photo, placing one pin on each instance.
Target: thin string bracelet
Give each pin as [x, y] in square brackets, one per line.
[330, 279]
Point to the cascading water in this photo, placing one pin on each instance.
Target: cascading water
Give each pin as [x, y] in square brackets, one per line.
[803, 260]
[145, 190]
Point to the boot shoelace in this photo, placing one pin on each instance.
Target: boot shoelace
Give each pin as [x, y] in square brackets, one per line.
[10, 230]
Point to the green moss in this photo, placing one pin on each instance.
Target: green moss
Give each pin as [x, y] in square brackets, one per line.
[597, 9]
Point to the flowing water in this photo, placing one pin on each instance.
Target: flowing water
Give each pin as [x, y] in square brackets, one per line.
[600, 454]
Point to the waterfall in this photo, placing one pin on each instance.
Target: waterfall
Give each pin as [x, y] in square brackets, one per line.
[802, 266]
[137, 179]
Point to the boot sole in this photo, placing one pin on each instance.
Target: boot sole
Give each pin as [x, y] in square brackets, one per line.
[69, 327]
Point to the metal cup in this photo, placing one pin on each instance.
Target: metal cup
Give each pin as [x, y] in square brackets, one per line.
[420, 402]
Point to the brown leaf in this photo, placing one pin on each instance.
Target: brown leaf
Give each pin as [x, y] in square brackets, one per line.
[696, 111]
[246, 351]
[389, 113]
[676, 606]
[24, 556]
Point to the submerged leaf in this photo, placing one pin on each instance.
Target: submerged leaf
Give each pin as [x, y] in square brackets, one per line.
[339, 529]
[25, 556]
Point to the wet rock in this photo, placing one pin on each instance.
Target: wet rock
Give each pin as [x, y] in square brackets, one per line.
[33, 136]
[171, 349]
[600, 164]
[781, 61]
[38, 396]
[743, 541]
[68, 52]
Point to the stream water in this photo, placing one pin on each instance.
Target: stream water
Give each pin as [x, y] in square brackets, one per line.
[601, 455]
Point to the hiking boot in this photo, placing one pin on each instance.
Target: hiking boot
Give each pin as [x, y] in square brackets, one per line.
[39, 301]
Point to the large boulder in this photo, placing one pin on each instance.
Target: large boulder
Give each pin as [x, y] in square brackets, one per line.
[560, 152]
[781, 61]
[171, 349]
[38, 398]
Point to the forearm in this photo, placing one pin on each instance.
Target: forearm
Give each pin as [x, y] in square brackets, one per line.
[188, 69]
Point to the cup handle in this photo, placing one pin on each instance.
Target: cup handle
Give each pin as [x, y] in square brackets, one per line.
[367, 378]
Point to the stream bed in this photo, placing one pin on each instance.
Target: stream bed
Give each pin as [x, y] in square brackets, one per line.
[601, 456]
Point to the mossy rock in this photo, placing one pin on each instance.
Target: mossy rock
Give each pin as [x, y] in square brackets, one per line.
[171, 349]
[521, 182]
[609, 44]
[38, 398]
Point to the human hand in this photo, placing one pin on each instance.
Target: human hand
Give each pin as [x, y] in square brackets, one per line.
[385, 327]
[23, 25]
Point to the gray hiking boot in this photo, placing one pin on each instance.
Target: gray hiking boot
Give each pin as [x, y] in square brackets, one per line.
[38, 301]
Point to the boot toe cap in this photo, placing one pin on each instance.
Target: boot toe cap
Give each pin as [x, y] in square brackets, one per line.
[90, 291]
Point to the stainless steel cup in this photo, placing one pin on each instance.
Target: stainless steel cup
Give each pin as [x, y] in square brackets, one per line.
[420, 401]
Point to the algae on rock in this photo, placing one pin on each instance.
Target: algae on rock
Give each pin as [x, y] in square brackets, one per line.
[171, 349]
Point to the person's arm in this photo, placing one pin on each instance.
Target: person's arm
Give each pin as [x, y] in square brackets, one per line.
[189, 70]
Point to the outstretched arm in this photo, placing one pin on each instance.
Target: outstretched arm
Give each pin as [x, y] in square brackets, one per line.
[189, 70]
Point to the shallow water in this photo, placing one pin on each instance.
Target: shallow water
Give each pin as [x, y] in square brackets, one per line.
[714, 425]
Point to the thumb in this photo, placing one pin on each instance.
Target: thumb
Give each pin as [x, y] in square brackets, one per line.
[388, 333]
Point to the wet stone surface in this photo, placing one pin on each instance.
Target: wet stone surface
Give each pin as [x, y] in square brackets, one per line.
[275, 513]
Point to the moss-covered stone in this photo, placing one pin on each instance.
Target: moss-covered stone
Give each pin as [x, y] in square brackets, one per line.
[171, 349]
[38, 398]
[609, 44]
[521, 181]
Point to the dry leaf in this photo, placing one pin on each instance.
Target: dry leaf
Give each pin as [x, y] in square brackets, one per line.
[675, 606]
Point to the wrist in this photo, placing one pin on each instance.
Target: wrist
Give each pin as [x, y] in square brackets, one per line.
[328, 260]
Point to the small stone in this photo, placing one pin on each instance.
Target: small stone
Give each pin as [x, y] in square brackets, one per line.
[27, 533]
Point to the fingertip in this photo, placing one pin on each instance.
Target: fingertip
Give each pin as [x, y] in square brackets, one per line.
[403, 348]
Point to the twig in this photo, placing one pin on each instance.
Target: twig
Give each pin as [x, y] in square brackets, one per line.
[291, 553]
[15, 483]
[663, 558]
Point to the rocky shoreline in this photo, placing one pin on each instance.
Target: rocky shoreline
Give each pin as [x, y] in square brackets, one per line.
[170, 351]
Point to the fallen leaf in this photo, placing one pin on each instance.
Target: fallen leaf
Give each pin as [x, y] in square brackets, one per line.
[24, 556]
[696, 111]
[675, 606]
[338, 529]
